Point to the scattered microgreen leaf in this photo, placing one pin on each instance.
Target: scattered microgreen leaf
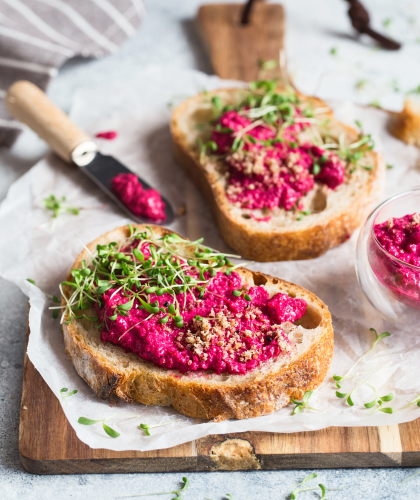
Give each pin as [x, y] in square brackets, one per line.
[111, 432]
[389, 166]
[415, 401]
[361, 84]
[378, 338]
[395, 85]
[414, 91]
[58, 206]
[267, 65]
[64, 395]
[387, 22]
[409, 478]
[303, 404]
[333, 51]
[175, 266]
[178, 493]
[303, 213]
[299, 487]
[147, 427]
[375, 104]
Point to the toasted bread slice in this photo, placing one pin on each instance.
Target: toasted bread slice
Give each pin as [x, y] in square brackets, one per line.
[406, 125]
[113, 373]
[335, 214]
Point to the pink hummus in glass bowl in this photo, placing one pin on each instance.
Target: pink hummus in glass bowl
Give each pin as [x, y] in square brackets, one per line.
[394, 255]
[388, 258]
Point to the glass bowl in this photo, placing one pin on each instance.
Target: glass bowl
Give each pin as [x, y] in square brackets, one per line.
[391, 285]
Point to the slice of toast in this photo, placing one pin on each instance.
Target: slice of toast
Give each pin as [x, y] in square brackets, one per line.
[114, 373]
[278, 234]
[406, 124]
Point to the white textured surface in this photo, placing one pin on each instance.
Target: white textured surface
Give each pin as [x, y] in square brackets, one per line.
[167, 38]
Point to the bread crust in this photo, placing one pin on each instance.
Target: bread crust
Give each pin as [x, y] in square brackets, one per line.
[267, 244]
[201, 395]
[406, 124]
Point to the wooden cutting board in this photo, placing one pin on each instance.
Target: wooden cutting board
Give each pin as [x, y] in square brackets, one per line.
[49, 445]
[236, 50]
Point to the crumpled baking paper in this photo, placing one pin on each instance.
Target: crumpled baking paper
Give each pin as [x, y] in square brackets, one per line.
[31, 248]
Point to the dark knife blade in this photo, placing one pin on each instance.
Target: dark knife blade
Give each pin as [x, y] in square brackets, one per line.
[102, 169]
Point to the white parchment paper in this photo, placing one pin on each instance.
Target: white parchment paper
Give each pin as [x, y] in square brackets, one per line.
[31, 249]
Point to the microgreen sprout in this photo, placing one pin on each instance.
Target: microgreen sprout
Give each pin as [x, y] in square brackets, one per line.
[174, 492]
[267, 65]
[333, 51]
[301, 487]
[415, 401]
[55, 299]
[146, 427]
[203, 148]
[174, 266]
[395, 85]
[386, 409]
[409, 478]
[414, 91]
[58, 206]
[389, 166]
[361, 84]
[302, 405]
[64, 395]
[375, 104]
[378, 338]
[387, 22]
[107, 429]
[378, 399]
[303, 213]
[348, 395]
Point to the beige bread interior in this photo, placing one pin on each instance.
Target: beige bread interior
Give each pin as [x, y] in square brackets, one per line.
[335, 214]
[113, 373]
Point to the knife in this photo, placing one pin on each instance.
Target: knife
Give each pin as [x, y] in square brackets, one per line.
[29, 104]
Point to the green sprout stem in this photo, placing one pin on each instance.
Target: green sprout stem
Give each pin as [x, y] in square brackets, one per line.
[409, 478]
[173, 492]
[303, 404]
[377, 339]
[147, 427]
[414, 401]
[64, 395]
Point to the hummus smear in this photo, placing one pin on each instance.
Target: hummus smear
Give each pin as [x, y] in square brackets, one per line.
[182, 306]
[270, 172]
[142, 202]
[273, 150]
[400, 238]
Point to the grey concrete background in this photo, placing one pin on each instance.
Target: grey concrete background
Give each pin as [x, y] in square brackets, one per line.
[167, 37]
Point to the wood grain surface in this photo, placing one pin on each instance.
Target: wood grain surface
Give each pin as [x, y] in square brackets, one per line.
[47, 442]
[236, 50]
[49, 445]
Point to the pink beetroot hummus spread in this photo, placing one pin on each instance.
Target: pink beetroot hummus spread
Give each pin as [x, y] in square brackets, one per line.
[142, 202]
[400, 238]
[267, 172]
[227, 329]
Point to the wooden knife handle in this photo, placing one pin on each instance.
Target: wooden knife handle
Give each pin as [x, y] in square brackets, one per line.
[29, 104]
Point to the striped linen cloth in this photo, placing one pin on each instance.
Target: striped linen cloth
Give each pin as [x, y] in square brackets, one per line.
[38, 36]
